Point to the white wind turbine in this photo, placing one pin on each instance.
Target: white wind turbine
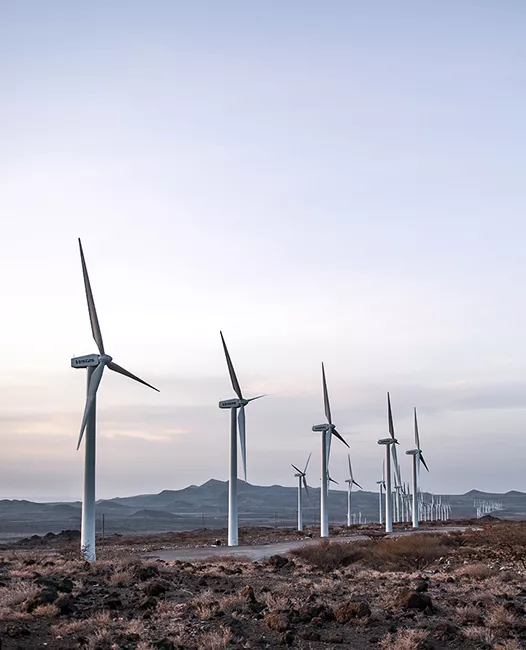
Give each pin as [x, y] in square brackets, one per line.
[389, 443]
[350, 482]
[302, 482]
[95, 364]
[381, 488]
[417, 459]
[328, 430]
[234, 405]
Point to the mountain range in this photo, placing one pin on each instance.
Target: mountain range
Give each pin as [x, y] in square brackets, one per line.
[200, 506]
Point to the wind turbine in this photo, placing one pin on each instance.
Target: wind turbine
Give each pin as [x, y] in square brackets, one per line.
[381, 488]
[234, 405]
[302, 479]
[417, 459]
[389, 442]
[95, 364]
[328, 430]
[350, 482]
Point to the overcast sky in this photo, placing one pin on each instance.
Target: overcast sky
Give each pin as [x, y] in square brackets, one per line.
[339, 181]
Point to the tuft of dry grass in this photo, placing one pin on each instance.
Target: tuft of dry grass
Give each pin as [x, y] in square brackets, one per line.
[216, 640]
[329, 556]
[477, 571]
[404, 640]
[500, 618]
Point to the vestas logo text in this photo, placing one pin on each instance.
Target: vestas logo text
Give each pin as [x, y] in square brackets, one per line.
[87, 360]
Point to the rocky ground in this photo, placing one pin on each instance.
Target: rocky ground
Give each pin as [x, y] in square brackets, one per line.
[431, 591]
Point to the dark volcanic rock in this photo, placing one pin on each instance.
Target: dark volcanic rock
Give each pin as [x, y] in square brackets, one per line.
[248, 594]
[413, 600]
[155, 588]
[277, 561]
[66, 605]
[45, 596]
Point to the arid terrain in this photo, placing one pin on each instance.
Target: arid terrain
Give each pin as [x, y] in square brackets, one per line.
[436, 590]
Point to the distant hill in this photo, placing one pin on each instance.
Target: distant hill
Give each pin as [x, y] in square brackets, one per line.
[205, 505]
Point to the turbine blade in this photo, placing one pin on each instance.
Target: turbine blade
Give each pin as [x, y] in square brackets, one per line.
[90, 401]
[333, 481]
[417, 437]
[242, 439]
[88, 410]
[423, 461]
[298, 470]
[328, 441]
[357, 484]
[253, 398]
[95, 327]
[326, 396]
[350, 466]
[233, 378]
[306, 489]
[339, 436]
[390, 417]
[307, 464]
[116, 368]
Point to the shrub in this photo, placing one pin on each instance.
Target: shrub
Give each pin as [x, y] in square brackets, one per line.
[408, 553]
[509, 540]
[328, 556]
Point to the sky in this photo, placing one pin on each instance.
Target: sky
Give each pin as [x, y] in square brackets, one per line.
[338, 182]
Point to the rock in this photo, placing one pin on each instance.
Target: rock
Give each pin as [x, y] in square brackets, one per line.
[148, 603]
[45, 596]
[276, 621]
[163, 644]
[333, 637]
[420, 586]
[345, 612]
[65, 586]
[66, 605]
[450, 579]
[278, 561]
[15, 630]
[247, 593]
[413, 600]
[155, 588]
[112, 601]
[147, 572]
[217, 543]
[287, 638]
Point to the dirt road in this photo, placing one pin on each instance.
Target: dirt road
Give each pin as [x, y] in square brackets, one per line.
[257, 553]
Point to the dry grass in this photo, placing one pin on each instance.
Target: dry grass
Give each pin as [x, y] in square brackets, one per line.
[404, 640]
[329, 556]
[216, 640]
[500, 618]
[477, 571]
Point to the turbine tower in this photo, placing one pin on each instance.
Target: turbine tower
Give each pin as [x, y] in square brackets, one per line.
[417, 459]
[327, 431]
[381, 488]
[350, 482]
[302, 482]
[95, 364]
[234, 405]
[389, 443]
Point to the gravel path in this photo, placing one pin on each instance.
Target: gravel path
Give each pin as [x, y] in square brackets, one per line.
[256, 553]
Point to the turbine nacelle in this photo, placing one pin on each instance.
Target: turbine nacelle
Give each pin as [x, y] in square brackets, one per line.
[86, 361]
[388, 441]
[321, 427]
[232, 403]
[412, 452]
